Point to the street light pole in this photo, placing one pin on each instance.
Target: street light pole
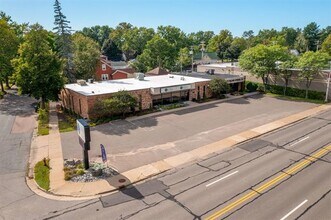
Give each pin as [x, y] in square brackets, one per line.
[191, 52]
[328, 84]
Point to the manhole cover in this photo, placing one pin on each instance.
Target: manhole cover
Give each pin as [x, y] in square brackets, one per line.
[121, 180]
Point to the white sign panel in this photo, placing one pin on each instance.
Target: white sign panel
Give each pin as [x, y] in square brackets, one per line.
[175, 88]
[80, 130]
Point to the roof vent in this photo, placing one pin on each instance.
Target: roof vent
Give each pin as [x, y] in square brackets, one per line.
[172, 77]
[140, 76]
[90, 80]
[182, 78]
[81, 82]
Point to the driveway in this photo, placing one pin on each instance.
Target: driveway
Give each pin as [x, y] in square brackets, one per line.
[132, 143]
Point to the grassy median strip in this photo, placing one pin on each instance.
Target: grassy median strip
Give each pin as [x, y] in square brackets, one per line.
[41, 174]
[43, 121]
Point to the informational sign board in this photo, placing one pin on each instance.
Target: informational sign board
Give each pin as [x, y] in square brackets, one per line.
[103, 153]
[84, 137]
[175, 88]
[83, 130]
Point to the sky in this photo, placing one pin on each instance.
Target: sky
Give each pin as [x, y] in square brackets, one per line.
[189, 15]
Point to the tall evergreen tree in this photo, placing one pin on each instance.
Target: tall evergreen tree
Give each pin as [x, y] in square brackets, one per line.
[63, 40]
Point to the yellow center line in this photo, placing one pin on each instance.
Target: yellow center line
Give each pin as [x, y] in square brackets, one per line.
[306, 161]
[232, 205]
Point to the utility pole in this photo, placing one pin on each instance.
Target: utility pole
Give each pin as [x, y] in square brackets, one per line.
[328, 84]
[191, 52]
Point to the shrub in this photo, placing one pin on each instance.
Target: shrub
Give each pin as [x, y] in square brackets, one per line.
[251, 87]
[80, 172]
[219, 87]
[261, 88]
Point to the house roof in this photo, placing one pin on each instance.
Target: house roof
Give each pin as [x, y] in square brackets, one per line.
[210, 55]
[131, 84]
[157, 71]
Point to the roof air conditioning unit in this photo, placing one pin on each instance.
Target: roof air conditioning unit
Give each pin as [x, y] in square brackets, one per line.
[140, 76]
[90, 80]
[81, 82]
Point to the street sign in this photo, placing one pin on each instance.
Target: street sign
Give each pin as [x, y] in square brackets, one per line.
[103, 153]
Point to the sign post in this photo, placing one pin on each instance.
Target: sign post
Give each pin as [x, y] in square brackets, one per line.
[84, 137]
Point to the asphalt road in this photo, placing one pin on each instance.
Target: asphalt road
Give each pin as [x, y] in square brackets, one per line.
[272, 177]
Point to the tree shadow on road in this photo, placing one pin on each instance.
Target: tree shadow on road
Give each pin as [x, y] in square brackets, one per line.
[14, 105]
[122, 127]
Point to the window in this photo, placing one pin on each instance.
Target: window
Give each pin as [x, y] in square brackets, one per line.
[104, 76]
[103, 67]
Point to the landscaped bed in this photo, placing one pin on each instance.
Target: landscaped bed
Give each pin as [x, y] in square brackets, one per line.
[74, 171]
[41, 174]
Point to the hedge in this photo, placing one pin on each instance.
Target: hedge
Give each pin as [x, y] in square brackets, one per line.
[293, 92]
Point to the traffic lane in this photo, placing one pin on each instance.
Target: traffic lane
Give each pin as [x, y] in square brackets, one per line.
[309, 184]
[291, 134]
[320, 209]
[249, 173]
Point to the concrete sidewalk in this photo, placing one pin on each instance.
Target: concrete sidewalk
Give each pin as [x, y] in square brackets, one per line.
[50, 146]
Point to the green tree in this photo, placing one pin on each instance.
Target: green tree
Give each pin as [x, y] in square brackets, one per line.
[121, 103]
[111, 50]
[311, 63]
[37, 69]
[290, 35]
[312, 35]
[8, 50]
[98, 33]
[117, 35]
[285, 69]
[219, 87]
[301, 44]
[135, 41]
[158, 53]
[249, 37]
[86, 54]
[174, 36]
[237, 46]
[184, 58]
[63, 40]
[326, 46]
[219, 43]
[260, 60]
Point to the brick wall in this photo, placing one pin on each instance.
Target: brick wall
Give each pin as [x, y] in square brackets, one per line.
[83, 105]
[199, 87]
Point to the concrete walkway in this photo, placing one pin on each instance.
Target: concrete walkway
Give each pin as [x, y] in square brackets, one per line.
[50, 146]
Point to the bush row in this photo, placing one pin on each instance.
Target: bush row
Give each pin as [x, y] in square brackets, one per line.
[293, 92]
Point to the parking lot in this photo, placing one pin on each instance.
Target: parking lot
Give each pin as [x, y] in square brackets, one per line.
[134, 142]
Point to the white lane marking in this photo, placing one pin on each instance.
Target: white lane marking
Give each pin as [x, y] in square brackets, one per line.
[299, 141]
[222, 178]
[293, 210]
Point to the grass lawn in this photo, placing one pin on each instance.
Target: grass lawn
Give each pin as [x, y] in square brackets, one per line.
[41, 174]
[67, 122]
[296, 98]
[43, 121]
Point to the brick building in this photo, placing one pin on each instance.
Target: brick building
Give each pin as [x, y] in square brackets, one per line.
[150, 91]
[109, 70]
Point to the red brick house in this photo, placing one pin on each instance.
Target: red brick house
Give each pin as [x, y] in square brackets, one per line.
[108, 70]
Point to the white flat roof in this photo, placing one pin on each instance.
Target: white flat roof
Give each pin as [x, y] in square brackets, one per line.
[130, 84]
